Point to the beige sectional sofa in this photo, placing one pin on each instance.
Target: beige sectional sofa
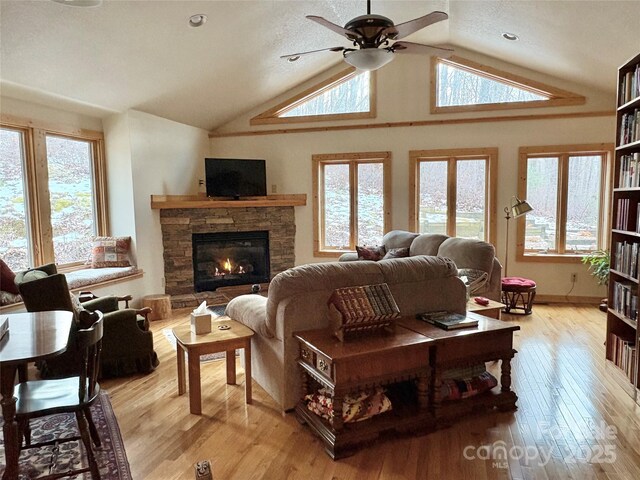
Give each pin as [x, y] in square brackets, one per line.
[297, 301]
[465, 252]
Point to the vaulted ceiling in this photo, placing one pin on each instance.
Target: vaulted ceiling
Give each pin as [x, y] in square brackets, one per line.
[141, 54]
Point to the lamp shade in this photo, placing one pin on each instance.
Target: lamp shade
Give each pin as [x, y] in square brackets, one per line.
[368, 59]
[520, 207]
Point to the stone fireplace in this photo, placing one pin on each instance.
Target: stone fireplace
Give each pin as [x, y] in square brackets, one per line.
[180, 225]
[223, 259]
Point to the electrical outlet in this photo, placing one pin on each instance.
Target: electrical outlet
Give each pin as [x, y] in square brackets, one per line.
[274, 188]
[574, 277]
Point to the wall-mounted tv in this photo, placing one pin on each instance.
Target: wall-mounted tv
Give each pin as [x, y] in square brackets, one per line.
[230, 177]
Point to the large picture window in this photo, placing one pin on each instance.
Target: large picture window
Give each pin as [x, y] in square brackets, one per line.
[567, 187]
[454, 192]
[351, 200]
[52, 194]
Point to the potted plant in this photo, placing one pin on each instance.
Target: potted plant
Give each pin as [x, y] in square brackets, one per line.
[599, 265]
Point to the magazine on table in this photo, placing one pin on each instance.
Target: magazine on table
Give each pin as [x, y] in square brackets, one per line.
[447, 320]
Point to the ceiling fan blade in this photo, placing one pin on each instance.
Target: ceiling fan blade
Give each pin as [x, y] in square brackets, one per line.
[336, 28]
[295, 56]
[410, 47]
[407, 28]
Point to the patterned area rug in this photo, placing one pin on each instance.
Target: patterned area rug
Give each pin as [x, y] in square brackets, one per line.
[111, 456]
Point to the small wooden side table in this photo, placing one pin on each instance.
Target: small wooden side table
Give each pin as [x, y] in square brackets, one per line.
[492, 310]
[226, 335]
[160, 306]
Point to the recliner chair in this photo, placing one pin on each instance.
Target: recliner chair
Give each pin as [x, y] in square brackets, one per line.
[127, 345]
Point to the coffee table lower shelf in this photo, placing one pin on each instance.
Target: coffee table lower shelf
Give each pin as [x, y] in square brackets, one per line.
[403, 419]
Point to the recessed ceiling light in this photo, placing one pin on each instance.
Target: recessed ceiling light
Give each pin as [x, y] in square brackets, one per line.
[197, 20]
[510, 36]
[79, 3]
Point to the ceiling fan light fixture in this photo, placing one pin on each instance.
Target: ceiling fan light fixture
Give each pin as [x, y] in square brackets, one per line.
[197, 20]
[368, 59]
[510, 36]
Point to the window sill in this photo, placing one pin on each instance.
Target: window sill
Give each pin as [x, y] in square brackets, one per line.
[331, 253]
[551, 257]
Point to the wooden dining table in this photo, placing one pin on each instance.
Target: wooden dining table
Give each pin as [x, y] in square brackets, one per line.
[31, 337]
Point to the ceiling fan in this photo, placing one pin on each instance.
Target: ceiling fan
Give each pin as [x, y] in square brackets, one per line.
[372, 33]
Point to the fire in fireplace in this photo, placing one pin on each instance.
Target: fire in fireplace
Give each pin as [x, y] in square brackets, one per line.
[230, 258]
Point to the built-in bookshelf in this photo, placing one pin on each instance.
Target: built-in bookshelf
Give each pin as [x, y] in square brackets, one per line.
[624, 284]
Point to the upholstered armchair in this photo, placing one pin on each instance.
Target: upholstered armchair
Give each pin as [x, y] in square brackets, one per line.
[127, 345]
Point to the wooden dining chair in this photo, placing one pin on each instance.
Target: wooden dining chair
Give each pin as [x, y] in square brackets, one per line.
[39, 398]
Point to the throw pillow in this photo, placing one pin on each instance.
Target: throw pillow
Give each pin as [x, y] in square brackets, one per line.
[396, 253]
[7, 279]
[370, 253]
[475, 279]
[110, 252]
[32, 275]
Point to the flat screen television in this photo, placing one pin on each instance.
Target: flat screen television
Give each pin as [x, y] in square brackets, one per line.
[230, 177]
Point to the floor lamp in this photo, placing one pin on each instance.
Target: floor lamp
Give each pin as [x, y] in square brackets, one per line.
[517, 209]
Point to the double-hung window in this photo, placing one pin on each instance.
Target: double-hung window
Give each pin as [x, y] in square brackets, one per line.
[567, 186]
[52, 194]
[454, 192]
[352, 200]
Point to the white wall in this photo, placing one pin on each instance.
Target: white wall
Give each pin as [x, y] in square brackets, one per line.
[51, 115]
[403, 96]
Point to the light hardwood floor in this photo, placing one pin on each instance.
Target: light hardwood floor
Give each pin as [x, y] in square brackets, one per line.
[567, 396]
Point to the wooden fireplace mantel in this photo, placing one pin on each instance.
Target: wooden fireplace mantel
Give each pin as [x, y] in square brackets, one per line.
[159, 202]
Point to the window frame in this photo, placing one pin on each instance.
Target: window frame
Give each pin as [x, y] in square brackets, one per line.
[563, 153]
[36, 184]
[490, 155]
[557, 97]
[270, 117]
[353, 160]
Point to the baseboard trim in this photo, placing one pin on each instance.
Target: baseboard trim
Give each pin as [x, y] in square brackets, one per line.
[567, 299]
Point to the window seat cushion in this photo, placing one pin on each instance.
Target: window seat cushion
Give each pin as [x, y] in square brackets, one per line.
[90, 276]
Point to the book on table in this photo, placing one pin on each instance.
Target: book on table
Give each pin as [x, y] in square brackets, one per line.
[447, 320]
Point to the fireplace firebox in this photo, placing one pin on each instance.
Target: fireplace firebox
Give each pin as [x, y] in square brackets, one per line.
[230, 258]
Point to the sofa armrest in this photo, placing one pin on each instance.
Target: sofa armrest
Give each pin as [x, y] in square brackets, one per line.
[250, 310]
[348, 257]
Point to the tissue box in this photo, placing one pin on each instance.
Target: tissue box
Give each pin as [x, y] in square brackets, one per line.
[200, 323]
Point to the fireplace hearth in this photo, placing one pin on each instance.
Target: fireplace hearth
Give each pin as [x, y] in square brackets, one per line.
[230, 258]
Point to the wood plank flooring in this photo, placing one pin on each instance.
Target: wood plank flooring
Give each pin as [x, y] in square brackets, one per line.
[574, 420]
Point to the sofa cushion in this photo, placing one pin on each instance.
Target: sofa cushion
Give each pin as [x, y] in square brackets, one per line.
[316, 277]
[417, 269]
[396, 253]
[370, 253]
[7, 279]
[469, 253]
[427, 244]
[398, 239]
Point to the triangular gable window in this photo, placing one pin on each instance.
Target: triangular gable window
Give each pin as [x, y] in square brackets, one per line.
[462, 85]
[347, 95]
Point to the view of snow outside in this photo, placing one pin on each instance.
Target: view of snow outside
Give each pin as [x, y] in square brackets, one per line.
[351, 96]
[583, 204]
[460, 87]
[470, 197]
[370, 205]
[69, 164]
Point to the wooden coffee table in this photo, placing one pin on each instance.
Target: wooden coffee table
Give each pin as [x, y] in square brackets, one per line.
[219, 340]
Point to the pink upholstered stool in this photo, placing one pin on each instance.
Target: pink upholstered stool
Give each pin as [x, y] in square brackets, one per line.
[518, 294]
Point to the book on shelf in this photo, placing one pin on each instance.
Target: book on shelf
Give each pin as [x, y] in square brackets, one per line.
[630, 127]
[630, 85]
[624, 355]
[629, 176]
[447, 320]
[625, 299]
[622, 216]
[626, 258]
